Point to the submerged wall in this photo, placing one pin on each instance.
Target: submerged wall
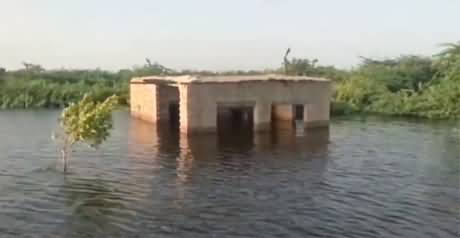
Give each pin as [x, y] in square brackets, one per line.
[151, 102]
[143, 103]
[198, 102]
[200, 108]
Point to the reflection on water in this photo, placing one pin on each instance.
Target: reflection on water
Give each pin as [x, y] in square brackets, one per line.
[360, 178]
[92, 204]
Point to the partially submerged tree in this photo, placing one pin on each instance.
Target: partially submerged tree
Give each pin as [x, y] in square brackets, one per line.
[87, 122]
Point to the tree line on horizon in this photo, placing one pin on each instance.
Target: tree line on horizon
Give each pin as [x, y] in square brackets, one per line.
[416, 86]
[409, 85]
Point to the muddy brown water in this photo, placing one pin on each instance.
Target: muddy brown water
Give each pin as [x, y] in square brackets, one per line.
[369, 177]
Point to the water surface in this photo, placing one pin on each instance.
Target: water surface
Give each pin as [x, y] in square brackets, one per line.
[361, 178]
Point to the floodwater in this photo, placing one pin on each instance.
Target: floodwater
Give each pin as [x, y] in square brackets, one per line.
[361, 178]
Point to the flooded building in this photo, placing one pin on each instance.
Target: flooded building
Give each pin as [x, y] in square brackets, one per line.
[199, 103]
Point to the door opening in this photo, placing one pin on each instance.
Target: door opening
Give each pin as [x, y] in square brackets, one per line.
[174, 114]
[299, 109]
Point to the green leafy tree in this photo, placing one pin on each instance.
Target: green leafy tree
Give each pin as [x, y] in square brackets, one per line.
[359, 92]
[87, 122]
[409, 72]
[447, 62]
[448, 56]
[33, 67]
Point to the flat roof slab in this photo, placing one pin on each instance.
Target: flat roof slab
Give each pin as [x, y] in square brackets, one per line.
[189, 79]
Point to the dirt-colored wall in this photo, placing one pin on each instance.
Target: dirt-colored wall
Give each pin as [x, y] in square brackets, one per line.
[143, 101]
[198, 102]
[284, 112]
[199, 110]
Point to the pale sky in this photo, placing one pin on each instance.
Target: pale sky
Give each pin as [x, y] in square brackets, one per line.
[218, 34]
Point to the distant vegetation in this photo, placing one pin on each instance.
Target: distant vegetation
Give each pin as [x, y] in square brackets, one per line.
[38, 88]
[34, 87]
[420, 86]
[407, 86]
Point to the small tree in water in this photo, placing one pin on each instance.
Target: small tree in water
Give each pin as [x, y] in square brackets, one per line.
[85, 121]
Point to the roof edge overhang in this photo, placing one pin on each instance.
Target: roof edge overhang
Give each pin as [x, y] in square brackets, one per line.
[188, 79]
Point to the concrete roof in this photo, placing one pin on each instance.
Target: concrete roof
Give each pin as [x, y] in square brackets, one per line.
[186, 79]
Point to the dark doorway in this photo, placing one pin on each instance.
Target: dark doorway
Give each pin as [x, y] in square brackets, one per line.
[234, 117]
[298, 110]
[235, 125]
[174, 114]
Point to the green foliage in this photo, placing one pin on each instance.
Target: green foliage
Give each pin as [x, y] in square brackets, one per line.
[56, 89]
[306, 67]
[359, 92]
[35, 87]
[88, 121]
[448, 59]
[85, 121]
[2, 73]
[404, 73]
[439, 101]
[448, 63]
[406, 86]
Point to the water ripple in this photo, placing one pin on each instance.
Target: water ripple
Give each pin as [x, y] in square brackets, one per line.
[359, 179]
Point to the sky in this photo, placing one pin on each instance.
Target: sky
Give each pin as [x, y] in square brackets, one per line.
[219, 34]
